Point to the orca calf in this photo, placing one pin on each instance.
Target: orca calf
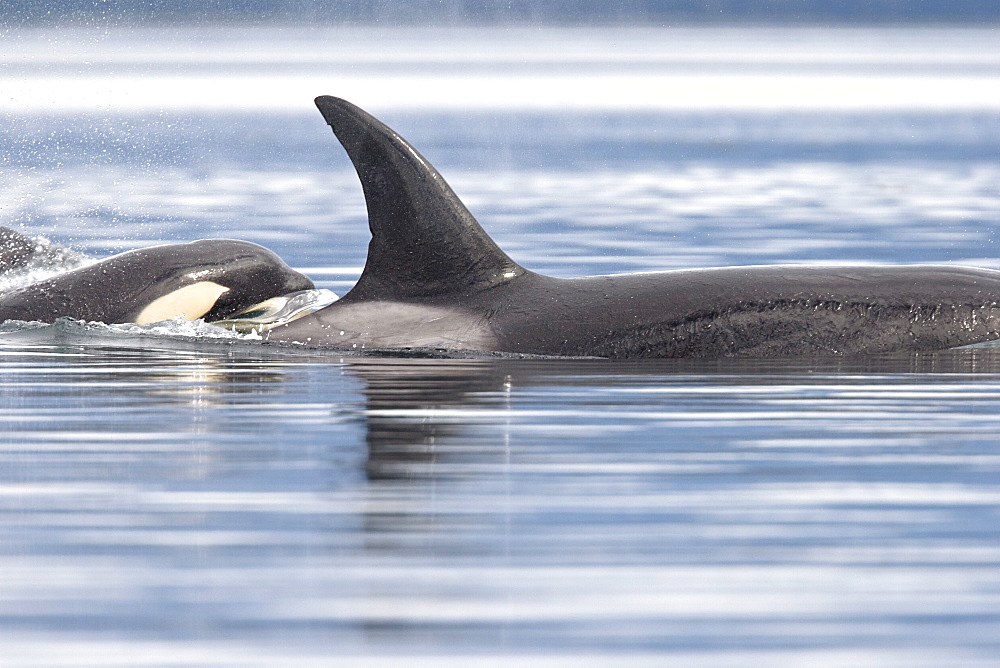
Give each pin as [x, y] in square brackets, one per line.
[211, 279]
[435, 280]
[16, 250]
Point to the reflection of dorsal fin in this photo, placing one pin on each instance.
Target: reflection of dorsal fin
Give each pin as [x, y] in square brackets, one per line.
[424, 241]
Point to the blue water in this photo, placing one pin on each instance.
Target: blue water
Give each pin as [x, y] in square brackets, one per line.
[169, 499]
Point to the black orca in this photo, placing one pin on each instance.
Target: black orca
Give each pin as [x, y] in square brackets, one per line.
[435, 280]
[16, 250]
[210, 279]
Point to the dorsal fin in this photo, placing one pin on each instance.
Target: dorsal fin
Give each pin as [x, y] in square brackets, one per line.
[425, 242]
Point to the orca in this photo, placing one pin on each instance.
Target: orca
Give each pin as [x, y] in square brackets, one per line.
[434, 280]
[16, 250]
[210, 279]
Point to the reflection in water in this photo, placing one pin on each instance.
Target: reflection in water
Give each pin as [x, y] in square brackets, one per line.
[414, 406]
[400, 446]
[255, 505]
[800, 508]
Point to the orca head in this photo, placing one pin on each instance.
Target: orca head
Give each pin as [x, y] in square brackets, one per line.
[210, 279]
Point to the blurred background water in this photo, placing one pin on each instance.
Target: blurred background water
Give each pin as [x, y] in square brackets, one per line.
[171, 500]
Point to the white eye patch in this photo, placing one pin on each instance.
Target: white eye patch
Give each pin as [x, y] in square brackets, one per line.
[190, 302]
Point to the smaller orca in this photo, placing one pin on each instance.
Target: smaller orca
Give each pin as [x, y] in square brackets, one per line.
[435, 280]
[211, 279]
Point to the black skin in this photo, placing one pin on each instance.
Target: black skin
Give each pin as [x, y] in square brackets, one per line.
[15, 249]
[435, 280]
[117, 289]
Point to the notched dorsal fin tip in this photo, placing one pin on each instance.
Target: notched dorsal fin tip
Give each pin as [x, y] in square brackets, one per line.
[425, 242]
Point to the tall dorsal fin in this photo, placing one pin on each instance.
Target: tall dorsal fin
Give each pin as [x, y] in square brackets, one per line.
[424, 241]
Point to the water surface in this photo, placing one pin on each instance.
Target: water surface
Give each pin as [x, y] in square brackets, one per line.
[172, 499]
[220, 504]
